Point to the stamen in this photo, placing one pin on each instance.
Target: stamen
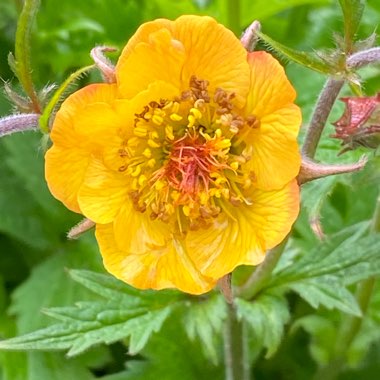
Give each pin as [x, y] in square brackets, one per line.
[187, 156]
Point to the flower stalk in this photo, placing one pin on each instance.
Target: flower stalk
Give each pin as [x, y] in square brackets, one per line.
[20, 64]
[237, 363]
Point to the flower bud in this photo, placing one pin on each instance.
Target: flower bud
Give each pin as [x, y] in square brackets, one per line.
[360, 123]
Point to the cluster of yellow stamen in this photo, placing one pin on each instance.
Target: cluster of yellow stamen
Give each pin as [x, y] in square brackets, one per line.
[186, 158]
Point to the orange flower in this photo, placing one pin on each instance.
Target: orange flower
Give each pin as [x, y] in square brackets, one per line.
[187, 164]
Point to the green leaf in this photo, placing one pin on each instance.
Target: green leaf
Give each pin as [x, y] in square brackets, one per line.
[109, 287]
[266, 316]
[321, 275]
[310, 60]
[326, 291]
[26, 308]
[352, 13]
[204, 320]
[92, 323]
[131, 314]
[170, 355]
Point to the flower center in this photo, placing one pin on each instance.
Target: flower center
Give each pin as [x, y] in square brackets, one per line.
[187, 157]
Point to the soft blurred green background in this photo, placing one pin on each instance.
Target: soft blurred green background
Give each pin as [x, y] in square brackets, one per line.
[34, 251]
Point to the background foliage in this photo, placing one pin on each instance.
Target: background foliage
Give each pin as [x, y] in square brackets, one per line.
[305, 302]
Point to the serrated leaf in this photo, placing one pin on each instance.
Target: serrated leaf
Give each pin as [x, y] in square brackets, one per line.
[310, 60]
[125, 314]
[92, 323]
[170, 355]
[204, 320]
[327, 257]
[266, 316]
[321, 276]
[113, 289]
[326, 291]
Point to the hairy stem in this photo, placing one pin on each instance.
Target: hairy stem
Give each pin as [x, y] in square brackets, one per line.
[320, 114]
[18, 123]
[364, 58]
[236, 358]
[22, 65]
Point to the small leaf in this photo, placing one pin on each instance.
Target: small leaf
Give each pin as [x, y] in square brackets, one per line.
[204, 320]
[310, 60]
[266, 316]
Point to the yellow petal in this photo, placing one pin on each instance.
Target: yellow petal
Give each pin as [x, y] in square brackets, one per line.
[163, 267]
[73, 106]
[136, 232]
[102, 193]
[256, 228]
[213, 53]
[67, 160]
[275, 158]
[64, 173]
[158, 58]
[270, 89]
[190, 45]
[275, 153]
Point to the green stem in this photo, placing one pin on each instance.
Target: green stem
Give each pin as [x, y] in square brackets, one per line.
[351, 325]
[23, 69]
[262, 273]
[237, 363]
[233, 14]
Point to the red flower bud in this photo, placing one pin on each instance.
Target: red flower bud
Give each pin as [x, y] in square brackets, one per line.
[360, 123]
